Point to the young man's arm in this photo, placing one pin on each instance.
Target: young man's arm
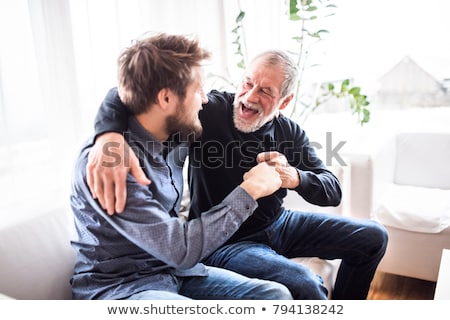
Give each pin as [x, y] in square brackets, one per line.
[147, 223]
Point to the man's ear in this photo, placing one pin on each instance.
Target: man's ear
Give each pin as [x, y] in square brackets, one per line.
[165, 98]
[286, 101]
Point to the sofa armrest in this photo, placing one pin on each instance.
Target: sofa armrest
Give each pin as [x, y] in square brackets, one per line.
[370, 172]
[5, 297]
[359, 186]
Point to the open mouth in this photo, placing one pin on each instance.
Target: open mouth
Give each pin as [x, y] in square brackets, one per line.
[248, 110]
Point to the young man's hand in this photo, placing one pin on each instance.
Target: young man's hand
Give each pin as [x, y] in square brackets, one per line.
[261, 180]
[109, 162]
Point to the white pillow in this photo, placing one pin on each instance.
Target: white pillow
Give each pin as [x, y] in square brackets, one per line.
[413, 208]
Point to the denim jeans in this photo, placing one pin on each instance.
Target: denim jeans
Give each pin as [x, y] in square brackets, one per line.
[220, 284]
[360, 244]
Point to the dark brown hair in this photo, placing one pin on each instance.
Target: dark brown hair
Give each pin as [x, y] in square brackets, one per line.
[156, 62]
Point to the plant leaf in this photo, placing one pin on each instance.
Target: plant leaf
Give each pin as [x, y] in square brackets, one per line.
[240, 16]
[293, 10]
[355, 91]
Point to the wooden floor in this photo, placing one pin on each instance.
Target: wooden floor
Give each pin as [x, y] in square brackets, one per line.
[387, 286]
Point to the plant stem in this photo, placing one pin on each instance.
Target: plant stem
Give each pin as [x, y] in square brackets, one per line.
[244, 41]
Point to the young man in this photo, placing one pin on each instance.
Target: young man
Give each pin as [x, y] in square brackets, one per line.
[237, 128]
[147, 251]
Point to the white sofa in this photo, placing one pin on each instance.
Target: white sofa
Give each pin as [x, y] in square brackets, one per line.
[405, 184]
[37, 258]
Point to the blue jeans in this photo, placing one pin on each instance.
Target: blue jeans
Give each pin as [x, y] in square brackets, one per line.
[220, 284]
[360, 244]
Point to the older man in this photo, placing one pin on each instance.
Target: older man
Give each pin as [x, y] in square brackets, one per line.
[241, 130]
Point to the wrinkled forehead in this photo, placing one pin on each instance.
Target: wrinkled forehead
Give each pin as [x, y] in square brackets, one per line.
[264, 74]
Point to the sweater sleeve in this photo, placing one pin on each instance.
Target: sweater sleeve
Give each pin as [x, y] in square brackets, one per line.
[318, 185]
[112, 115]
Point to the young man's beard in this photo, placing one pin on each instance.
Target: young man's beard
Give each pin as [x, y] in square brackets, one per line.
[177, 125]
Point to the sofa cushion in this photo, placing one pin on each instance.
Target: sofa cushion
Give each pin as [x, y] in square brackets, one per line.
[327, 269]
[416, 209]
[422, 159]
[36, 257]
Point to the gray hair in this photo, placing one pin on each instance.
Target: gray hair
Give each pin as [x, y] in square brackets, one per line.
[276, 57]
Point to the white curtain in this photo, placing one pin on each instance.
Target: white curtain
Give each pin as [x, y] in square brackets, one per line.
[57, 61]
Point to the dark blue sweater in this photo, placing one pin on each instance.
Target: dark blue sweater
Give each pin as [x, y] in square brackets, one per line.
[223, 154]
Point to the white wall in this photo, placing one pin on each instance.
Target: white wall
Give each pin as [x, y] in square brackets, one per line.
[58, 59]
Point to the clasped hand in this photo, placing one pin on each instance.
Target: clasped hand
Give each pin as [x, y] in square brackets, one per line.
[289, 175]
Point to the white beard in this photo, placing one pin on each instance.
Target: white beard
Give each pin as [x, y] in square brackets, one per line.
[254, 125]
